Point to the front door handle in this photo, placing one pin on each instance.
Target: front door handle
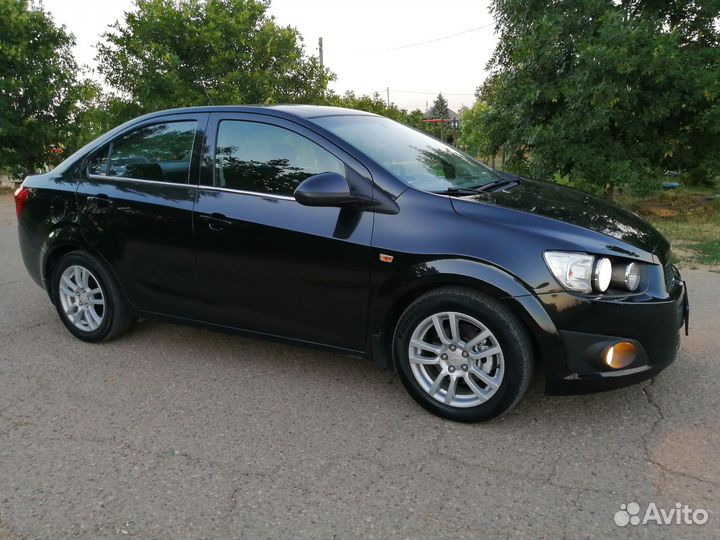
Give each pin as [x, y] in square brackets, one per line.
[216, 222]
[101, 200]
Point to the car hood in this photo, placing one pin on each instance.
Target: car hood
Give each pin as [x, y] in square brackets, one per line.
[574, 207]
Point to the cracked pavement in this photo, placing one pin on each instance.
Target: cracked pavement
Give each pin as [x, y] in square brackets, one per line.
[178, 432]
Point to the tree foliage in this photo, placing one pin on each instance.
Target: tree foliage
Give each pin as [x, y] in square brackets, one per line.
[177, 53]
[440, 109]
[375, 104]
[97, 112]
[473, 136]
[610, 92]
[38, 87]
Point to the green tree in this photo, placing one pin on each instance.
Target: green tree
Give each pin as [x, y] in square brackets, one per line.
[175, 53]
[375, 104]
[414, 119]
[96, 113]
[610, 92]
[38, 87]
[440, 109]
[473, 136]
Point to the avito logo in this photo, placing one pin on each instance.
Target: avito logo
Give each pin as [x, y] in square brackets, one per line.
[680, 514]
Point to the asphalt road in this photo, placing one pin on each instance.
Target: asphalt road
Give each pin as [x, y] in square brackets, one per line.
[175, 432]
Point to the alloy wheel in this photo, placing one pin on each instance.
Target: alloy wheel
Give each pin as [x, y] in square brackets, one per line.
[82, 298]
[456, 359]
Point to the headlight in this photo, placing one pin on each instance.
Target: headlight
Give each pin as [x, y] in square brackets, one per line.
[602, 274]
[580, 272]
[573, 270]
[626, 276]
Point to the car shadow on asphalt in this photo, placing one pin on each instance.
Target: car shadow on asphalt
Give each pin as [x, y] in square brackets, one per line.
[345, 373]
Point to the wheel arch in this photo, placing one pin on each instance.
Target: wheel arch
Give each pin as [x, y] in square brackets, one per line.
[59, 242]
[62, 241]
[485, 278]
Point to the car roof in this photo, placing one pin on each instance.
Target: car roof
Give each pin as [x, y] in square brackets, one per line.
[303, 111]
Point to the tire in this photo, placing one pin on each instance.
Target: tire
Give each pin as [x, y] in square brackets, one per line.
[88, 298]
[489, 354]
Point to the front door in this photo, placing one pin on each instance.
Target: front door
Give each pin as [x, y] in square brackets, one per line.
[136, 197]
[266, 263]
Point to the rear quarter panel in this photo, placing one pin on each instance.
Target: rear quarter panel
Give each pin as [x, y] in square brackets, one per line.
[48, 221]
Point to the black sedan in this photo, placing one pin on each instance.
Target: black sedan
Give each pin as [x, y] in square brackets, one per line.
[345, 230]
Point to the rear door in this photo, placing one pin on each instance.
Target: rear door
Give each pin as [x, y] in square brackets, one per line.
[136, 197]
[265, 262]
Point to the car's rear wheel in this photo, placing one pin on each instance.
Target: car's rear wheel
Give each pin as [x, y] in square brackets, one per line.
[462, 355]
[88, 298]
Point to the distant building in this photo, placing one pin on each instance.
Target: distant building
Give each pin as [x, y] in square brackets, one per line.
[453, 115]
[453, 120]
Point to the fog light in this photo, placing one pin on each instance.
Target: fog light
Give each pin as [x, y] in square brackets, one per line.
[620, 355]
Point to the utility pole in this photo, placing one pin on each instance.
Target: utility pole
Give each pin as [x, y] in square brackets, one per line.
[388, 97]
[320, 47]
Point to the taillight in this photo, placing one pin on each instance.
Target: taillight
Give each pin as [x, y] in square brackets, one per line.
[21, 195]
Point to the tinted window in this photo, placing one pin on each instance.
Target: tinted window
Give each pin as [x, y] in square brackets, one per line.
[415, 158]
[267, 159]
[99, 163]
[157, 152]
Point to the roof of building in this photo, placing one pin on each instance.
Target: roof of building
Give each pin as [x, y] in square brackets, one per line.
[452, 115]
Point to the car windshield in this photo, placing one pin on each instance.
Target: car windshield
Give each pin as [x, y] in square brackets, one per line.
[418, 160]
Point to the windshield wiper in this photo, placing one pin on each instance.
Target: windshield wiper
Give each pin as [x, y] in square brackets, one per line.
[474, 190]
[496, 184]
[457, 191]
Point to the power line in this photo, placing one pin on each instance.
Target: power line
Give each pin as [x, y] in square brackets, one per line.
[431, 93]
[443, 38]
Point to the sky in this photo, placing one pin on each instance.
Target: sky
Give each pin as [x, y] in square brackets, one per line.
[416, 48]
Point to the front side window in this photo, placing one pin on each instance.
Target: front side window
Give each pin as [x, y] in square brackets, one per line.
[159, 152]
[99, 162]
[416, 159]
[261, 158]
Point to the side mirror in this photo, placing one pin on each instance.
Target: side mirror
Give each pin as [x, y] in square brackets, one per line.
[325, 189]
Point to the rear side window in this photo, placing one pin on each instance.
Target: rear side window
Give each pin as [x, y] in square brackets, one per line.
[262, 158]
[160, 152]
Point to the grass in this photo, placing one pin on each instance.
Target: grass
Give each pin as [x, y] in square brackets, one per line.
[687, 219]
[709, 252]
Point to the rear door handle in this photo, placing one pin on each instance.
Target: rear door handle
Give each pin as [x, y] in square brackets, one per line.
[216, 222]
[100, 200]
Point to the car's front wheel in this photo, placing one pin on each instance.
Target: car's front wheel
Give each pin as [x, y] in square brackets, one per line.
[88, 298]
[462, 355]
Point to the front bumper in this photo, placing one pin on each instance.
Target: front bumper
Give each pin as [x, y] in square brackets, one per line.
[588, 325]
